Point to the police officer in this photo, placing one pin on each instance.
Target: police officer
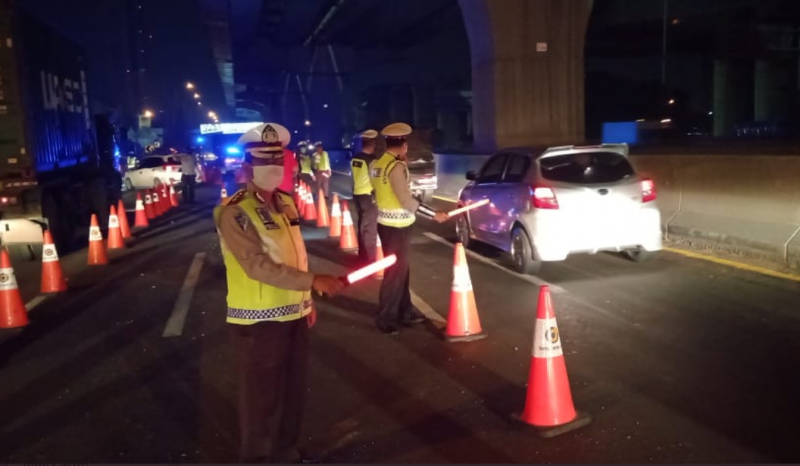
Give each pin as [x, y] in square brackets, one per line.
[306, 165]
[269, 302]
[364, 198]
[322, 168]
[396, 209]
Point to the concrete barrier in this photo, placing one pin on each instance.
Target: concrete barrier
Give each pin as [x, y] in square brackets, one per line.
[747, 205]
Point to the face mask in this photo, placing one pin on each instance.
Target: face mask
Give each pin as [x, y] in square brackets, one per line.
[268, 178]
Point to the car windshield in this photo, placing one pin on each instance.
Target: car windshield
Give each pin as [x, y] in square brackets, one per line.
[586, 167]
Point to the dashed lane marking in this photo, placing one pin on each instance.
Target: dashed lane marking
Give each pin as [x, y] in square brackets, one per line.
[35, 302]
[528, 278]
[177, 320]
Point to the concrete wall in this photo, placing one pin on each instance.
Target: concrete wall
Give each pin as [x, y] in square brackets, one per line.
[748, 205]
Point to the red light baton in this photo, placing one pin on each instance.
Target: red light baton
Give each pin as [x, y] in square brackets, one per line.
[371, 269]
[461, 210]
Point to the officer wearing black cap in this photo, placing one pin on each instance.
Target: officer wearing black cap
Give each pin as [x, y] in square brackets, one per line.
[396, 216]
[364, 198]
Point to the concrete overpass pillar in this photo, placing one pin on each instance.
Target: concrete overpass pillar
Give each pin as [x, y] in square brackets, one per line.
[527, 70]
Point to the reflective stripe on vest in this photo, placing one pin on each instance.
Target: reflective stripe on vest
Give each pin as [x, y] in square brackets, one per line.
[390, 211]
[305, 164]
[250, 301]
[361, 182]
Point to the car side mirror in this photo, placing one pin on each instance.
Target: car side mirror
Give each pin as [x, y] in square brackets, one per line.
[471, 175]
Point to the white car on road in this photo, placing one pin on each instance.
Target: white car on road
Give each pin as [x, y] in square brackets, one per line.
[154, 170]
[548, 204]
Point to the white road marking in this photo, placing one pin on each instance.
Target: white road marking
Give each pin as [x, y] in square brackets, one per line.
[177, 320]
[427, 310]
[35, 302]
[528, 278]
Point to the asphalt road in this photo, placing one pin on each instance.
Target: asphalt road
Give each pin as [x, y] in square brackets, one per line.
[677, 360]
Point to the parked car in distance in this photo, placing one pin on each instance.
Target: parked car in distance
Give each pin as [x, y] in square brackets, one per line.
[154, 170]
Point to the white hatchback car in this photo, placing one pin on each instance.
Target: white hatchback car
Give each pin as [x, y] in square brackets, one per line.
[548, 204]
[154, 170]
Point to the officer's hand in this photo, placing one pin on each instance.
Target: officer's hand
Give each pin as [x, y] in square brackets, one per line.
[312, 318]
[327, 285]
[441, 217]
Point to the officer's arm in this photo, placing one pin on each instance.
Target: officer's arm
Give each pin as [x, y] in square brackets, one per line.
[242, 240]
[399, 182]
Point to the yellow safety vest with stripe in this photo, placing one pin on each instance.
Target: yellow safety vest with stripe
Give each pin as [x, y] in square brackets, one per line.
[390, 211]
[360, 169]
[322, 162]
[250, 301]
[305, 165]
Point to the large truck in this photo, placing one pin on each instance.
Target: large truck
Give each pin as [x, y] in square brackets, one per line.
[56, 159]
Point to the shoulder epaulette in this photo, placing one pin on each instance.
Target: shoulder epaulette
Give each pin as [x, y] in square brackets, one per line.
[237, 197]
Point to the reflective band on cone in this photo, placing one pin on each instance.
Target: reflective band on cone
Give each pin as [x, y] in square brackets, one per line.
[348, 241]
[49, 253]
[463, 323]
[8, 281]
[336, 218]
[52, 275]
[12, 310]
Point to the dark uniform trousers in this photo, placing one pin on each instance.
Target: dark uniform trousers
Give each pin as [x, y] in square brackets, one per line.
[272, 362]
[187, 185]
[324, 183]
[395, 296]
[367, 232]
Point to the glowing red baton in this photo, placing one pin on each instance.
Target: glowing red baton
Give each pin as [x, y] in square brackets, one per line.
[461, 210]
[371, 269]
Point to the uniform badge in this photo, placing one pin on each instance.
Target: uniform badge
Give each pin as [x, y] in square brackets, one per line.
[358, 163]
[242, 220]
[376, 172]
[266, 218]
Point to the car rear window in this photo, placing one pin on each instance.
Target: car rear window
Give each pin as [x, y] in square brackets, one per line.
[586, 168]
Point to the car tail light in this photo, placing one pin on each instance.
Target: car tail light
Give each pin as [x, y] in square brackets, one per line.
[8, 200]
[544, 198]
[648, 190]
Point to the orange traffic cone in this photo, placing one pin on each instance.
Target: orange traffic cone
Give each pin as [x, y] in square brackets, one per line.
[301, 200]
[164, 196]
[463, 323]
[173, 196]
[311, 212]
[12, 310]
[115, 240]
[336, 218]
[52, 276]
[379, 256]
[157, 206]
[323, 220]
[548, 404]
[97, 250]
[124, 226]
[149, 209]
[348, 241]
[223, 193]
[298, 196]
[141, 213]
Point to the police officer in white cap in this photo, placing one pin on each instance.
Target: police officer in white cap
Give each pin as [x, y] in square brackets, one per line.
[364, 198]
[269, 302]
[396, 216]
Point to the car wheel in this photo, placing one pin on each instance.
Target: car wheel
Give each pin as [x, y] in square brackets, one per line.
[128, 184]
[462, 230]
[522, 253]
[638, 254]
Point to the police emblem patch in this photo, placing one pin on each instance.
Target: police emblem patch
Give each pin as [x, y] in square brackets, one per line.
[266, 218]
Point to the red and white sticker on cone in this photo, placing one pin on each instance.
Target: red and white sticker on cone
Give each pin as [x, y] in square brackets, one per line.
[148, 199]
[49, 253]
[155, 197]
[94, 234]
[461, 281]
[113, 221]
[7, 280]
[546, 340]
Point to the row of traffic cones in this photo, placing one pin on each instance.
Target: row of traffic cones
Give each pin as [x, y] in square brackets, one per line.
[12, 310]
[338, 221]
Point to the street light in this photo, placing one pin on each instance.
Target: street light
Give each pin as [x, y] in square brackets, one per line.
[308, 123]
[196, 95]
[148, 114]
[199, 103]
[212, 115]
[189, 86]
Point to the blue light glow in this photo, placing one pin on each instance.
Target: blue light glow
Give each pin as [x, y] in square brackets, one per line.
[201, 139]
[233, 150]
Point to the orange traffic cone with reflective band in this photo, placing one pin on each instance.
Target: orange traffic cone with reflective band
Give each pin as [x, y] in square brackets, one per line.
[12, 310]
[379, 256]
[173, 196]
[336, 219]
[298, 198]
[115, 240]
[52, 276]
[157, 206]
[141, 214]
[223, 193]
[548, 404]
[323, 219]
[348, 241]
[124, 226]
[301, 200]
[310, 214]
[463, 323]
[97, 250]
[149, 210]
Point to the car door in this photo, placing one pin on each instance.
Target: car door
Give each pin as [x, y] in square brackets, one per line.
[510, 197]
[487, 182]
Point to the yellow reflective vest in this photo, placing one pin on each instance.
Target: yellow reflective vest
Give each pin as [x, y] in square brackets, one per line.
[359, 167]
[390, 211]
[251, 301]
[305, 165]
[322, 162]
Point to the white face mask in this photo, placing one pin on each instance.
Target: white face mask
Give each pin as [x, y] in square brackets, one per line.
[268, 178]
